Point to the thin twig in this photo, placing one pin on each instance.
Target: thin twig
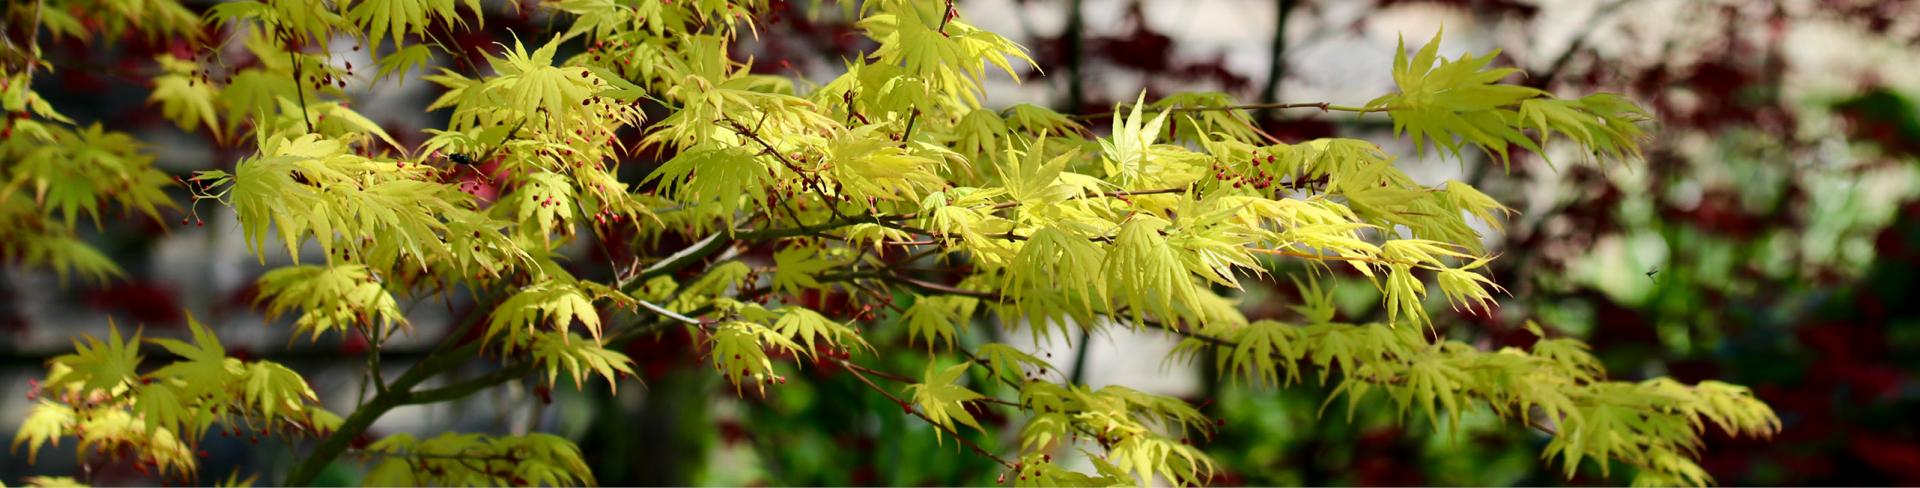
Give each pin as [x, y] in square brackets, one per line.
[299, 84]
[851, 368]
[1075, 30]
[948, 17]
[912, 257]
[812, 181]
[1579, 42]
[668, 313]
[1322, 106]
[1278, 71]
[33, 42]
[875, 372]
[612, 266]
[1111, 194]
[1080, 356]
[373, 359]
[503, 142]
[1322, 257]
[427, 455]
[31, 54]
[906, 137]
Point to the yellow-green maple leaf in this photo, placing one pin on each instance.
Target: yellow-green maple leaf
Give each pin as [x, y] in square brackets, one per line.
[942, 399]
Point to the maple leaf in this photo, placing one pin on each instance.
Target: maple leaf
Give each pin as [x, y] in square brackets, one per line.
[333, 298]
[399, 17]
[272, 389]
[738, 350]
[580, 357]
[943, 400]
[557, 303]
[184, 100]
[1126, 148]
[933, 318]
[795, 268]
[45, 425]
[204, 367]
[404, 60]
[99, 366]
[807, 325]
[67, 255]
[1009, 363]
[543, 93]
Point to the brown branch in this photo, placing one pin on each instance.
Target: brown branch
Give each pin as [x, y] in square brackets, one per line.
[33, 42]
[1322, 257]
[913, 257]
[857, 373]
[400, 392]
[907, 136]
[1076, 47]
[1322, 106]
[1278, 70]
[875, 372]
[947, 18]
[1111, 194]
[812, 181]
[1573, 48]
[299, 85]
[509, 457]
[933, 287]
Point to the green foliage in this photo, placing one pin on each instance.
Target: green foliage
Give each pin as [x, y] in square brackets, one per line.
[849, 191]
[334, 298]
[554, 303]
[57, 171]
[580, 357]
[1452, 103]
[937, 319]
[944, 402]
[100, 395]
[475, 460]
[739, 352]
[807, 325]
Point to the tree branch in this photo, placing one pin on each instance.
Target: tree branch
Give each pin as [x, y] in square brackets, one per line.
[1278, 71]
[875, 372]
[812, 181]
[400, 393]
[718, 240]
[426, 455]
[906, 136]
[1560, 63]
[1322, 106]
[1111, 194]
[1075, 30]
[299, 84]
[857, 373]
[1323, 257]
[460, 390]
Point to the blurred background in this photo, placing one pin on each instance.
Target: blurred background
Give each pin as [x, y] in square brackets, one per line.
[1770, 238]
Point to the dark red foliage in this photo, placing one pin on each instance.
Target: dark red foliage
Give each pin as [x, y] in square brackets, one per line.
[144, 302]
